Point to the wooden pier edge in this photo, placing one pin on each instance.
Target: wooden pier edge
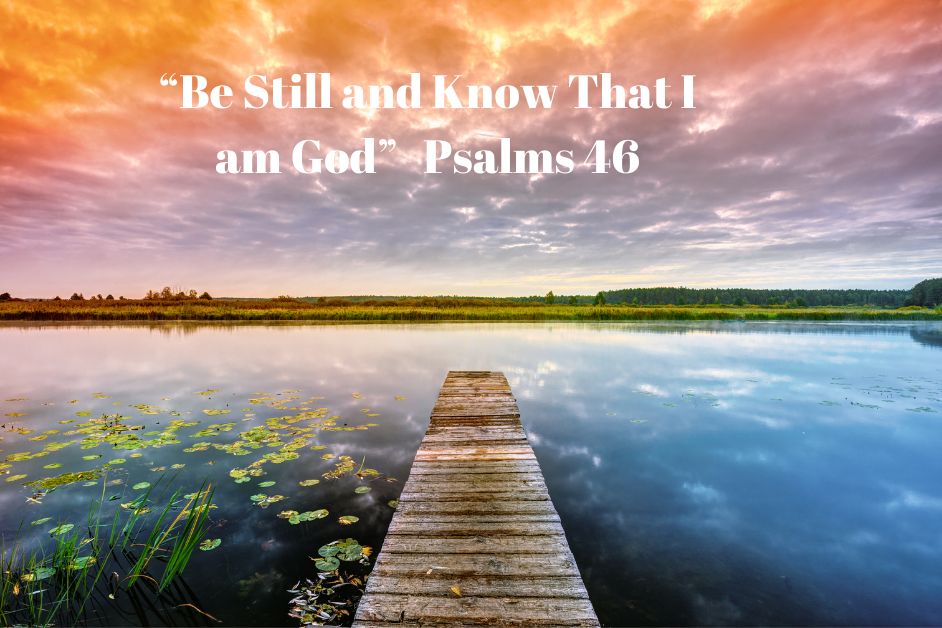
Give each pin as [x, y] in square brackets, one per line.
[475, 540]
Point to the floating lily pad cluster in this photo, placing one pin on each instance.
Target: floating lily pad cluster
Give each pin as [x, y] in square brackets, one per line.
[348, 550]
[294, 517]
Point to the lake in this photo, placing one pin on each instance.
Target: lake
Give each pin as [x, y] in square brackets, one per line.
[705, 473]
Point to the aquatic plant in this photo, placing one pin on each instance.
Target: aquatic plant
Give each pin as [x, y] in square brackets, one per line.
[49, 578]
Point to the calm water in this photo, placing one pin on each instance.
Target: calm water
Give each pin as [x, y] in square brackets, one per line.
[706, 474]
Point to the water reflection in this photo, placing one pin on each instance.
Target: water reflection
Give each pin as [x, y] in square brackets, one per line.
[706, 474]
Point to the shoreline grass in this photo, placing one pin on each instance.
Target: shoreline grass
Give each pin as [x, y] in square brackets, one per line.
[432, 310]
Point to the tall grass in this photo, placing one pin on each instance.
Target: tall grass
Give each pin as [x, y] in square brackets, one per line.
[48, 578]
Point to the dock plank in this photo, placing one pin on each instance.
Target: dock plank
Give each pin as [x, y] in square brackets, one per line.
[475, 517]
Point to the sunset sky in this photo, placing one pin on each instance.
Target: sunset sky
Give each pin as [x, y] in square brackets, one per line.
[813, 157]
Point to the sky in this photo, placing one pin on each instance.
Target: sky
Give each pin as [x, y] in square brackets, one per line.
[811, 159]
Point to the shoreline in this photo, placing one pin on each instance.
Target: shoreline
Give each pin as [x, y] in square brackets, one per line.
[274, 311]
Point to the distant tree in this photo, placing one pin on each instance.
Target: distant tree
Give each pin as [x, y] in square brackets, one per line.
[5, 296]
[634, 301]
[550, 298]
[681, 301]
[77, 297]
[800, 302]
[206, 296]
[166, 293]
[716, 301]
[573, 301]
[101, 298]
[122, 298]
[599, 299]
[321, 300]
[58, 298]
[109, 298]
[739, 302]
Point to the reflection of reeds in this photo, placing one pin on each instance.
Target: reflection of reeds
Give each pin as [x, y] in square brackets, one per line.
[417, 310]
[40, 582]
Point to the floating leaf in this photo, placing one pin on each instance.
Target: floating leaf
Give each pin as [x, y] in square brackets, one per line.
[327, 456]
[140, 485]
[829, 403]
[54, 465]
[266, 484]
[85, 413]
[309, 482]
[91, 457]
[362, 489]
[209, 544]
[315, 447]
[348, 519]
[286, 513]
[456, 591]
[41, 521]
[40, 574]
[81, 563]
[259, 497]
[62, 529]
[118, 461]
[241, 480]
[921, 409]
[638, 421]
[327, 564]
[14, 478]
[394, 503]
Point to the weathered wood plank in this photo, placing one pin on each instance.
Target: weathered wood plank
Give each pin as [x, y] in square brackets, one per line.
[491, 482]
[473, 527]
[475, 514]
[486, 586]
[481, 496]
[475, 564]
[480, 544]
[496, 611]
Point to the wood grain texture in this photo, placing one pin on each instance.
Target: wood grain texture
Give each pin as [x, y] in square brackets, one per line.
[475, 515]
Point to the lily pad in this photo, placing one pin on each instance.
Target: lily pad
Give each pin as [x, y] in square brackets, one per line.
[309, 482]
[40, 574]
[348, 519]
[140, 485]
[54, 465]
[266, 484]
[394, 503]
[241, 480]
[91, 457]
[82, 563]
[362, 489]
[327, 564]
[14, 478]
[209, 544]
[177, 466]
[62, 529]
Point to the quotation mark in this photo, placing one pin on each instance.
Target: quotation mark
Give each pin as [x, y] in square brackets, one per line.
[165, 82]
[390, 143]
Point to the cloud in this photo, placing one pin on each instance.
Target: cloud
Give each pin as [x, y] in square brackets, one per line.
[811, 158]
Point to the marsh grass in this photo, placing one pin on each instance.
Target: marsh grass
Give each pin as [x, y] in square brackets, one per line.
[419, 310]
[49, 577]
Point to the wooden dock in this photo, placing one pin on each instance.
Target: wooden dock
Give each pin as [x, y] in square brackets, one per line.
[475, 540]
